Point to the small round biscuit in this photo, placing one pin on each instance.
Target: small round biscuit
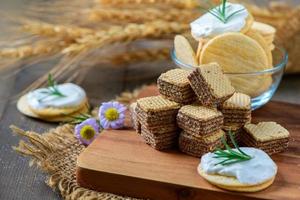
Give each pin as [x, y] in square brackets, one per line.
[261, 41]
[248, 25]
[57, 112]
[263, 29]
[235, 52]
[184, 51]
[238, 53]
[232, 184]
[25, 109]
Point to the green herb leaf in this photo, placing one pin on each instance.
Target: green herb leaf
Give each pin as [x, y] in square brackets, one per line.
[229, 155]
[52, 89]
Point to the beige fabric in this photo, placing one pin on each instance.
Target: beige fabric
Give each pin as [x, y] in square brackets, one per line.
[55, 153]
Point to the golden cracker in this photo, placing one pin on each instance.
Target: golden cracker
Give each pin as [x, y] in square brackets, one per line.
[231, 183]
[184, 51]
[261, 41]
[248, 25]
[263, 29]
[24, 108]
[238, 53]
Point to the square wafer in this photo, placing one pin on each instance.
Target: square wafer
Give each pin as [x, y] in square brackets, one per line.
[197, 146]
[156, 110]
[174, 85]
[237, 109]
[210, 84]
[134, 120]
[268, 136]
[199, 120]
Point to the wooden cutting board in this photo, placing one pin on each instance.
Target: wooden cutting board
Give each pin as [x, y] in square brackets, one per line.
[119, 162]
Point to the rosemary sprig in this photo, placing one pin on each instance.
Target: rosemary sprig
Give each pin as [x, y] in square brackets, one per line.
[52, 89]
[229, 155]
[220, 12]
[79, 118]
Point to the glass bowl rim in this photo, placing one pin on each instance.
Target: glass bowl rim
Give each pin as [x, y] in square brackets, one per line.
[275, 68]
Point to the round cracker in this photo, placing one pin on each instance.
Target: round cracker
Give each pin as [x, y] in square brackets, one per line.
[248, 25]
[261, 41]
[235, 52]
[184, 51]
[57, 112]
[24, 108]
[232, 184]
[238, 53]
[263, 29]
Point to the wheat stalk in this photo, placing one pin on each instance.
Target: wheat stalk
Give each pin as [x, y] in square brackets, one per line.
[141, 55]
[40, 48]
[141, 15]
[188, 4]
[129, 33]
[50, 30]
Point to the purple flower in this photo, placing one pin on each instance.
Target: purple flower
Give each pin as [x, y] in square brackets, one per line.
[87, 131]
[112, 115]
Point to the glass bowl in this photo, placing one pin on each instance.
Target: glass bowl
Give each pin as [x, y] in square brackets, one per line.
[259, 85]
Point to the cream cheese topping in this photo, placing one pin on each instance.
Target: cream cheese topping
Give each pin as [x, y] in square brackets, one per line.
[254, 171]
[209, 25]
[73, 96]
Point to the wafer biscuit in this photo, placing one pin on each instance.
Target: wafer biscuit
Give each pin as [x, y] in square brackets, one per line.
[268, 136]
[238, 101]
[156, 104]
[210, 84]
[266, 131]
[184, 51]
[166, 141]
[134, 119]
[197, 146]
[199, 120]
[174, 85]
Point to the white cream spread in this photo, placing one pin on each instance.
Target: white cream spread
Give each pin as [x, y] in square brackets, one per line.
[254, 171]
[209, 25]
[73, 96]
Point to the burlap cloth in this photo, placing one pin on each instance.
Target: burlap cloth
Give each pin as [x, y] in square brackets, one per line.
[55, 153]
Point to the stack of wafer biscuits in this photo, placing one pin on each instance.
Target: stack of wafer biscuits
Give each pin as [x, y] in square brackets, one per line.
[198, 145]
[209, 83]
[134, 120]
[236, 111]
[201, 129]
[157, 117]
[267, 136]
[175, 86]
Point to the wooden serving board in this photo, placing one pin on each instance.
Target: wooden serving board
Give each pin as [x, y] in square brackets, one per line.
[118, 161]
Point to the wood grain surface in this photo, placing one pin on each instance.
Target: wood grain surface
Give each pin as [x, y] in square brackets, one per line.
[119, 161]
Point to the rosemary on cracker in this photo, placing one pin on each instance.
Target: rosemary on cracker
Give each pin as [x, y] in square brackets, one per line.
[220, 12]
[52, 89]
[229, 155]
